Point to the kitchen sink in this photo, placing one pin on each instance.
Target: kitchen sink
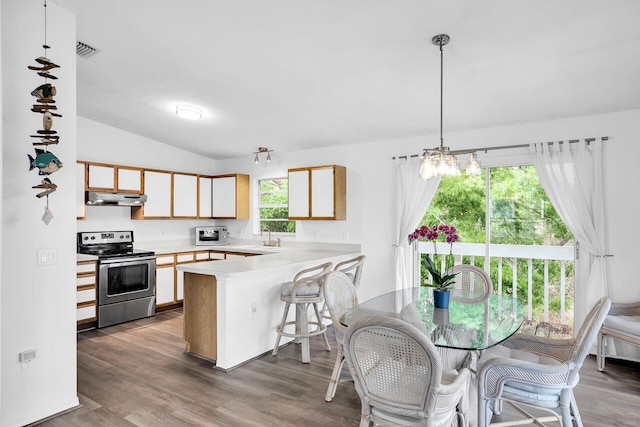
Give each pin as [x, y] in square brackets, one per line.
[260, 248]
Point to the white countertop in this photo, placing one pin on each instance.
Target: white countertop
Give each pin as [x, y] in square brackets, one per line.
[269, 257]
[284, 256]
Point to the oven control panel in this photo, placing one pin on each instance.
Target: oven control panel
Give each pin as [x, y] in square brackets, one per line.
[101, 237]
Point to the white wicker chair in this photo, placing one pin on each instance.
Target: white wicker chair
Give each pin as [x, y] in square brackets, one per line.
[623, 323]
[398, 375]
[472, 285]
[537, 371]
[340, 296]
[353, 269]
[304, 290]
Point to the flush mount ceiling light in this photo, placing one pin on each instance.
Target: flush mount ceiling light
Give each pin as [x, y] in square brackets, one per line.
[189, 112]
[262, 150]
[441, 161]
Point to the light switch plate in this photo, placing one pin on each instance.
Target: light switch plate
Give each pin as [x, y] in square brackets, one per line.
[46, 257]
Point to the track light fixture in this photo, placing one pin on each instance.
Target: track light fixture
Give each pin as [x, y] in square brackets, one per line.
[262, 150]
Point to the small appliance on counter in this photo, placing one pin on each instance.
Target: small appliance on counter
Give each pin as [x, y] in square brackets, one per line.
[212, 235]
[126, 276]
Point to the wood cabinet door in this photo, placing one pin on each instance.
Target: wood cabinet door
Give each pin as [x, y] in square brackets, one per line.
[185, 195]
[130, 180]
[204, 197]
[165, 285]
[102, 177]
[224, 197]
[299, 194]
[157, 187]
[322, 193]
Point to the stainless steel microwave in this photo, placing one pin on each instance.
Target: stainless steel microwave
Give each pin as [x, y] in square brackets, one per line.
[211, 235]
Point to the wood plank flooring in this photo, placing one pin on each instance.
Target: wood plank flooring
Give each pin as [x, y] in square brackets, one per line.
[137, 374]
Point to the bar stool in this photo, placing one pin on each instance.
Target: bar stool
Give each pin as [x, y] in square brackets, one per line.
[304, 290]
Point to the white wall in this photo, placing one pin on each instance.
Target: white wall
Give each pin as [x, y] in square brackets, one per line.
[105, 144]
[370, 188]
[38, 302]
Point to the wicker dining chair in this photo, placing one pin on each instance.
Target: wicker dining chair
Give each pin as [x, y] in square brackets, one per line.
[622, 323]
[472, 285]
[353, 269]
[340, 296]
[305, 290]
[399, 378]
[538, 372]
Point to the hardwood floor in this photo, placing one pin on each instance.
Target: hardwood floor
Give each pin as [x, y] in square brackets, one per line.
[137, 374]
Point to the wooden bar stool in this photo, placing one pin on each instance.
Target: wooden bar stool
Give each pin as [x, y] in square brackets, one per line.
[304, 290]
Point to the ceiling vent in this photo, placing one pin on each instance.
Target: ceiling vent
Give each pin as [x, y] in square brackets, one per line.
[84, 50]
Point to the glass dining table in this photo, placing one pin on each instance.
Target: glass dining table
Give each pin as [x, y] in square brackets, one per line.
[464, 325]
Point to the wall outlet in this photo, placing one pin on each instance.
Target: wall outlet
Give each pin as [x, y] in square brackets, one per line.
[27, 358]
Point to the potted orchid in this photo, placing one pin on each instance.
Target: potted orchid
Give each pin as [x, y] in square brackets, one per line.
[441, 282]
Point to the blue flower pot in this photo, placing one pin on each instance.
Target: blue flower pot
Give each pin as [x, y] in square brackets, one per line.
[441, 298]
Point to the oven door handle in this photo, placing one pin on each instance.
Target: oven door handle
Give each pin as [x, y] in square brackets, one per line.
[127, 260]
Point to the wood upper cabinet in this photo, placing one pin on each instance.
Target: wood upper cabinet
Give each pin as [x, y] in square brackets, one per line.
[318, 193]
[185, 195]
[157, 187]
[230, 196]
[103, 177]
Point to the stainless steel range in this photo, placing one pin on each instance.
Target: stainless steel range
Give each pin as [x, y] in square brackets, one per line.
[126, 276]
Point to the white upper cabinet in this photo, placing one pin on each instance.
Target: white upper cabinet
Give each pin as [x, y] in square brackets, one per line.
[130, 179]
[299, 193]
[204, 197]
[185, 195]
[322, 193]
[102, 177]
[157, 187]
[230, 196]
[114, 178]
[224, 197]
[318, 193]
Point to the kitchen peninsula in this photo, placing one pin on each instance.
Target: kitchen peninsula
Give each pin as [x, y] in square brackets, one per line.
[232, 307]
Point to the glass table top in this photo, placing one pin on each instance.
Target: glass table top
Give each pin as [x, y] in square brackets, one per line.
[464, 325]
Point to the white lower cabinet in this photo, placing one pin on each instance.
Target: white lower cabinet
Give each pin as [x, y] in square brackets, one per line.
[170, 281]
[165, 279]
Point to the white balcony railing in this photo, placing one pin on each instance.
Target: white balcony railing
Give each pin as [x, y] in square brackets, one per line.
[502, 265]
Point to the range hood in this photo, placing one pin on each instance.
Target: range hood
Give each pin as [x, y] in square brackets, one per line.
[98, 198]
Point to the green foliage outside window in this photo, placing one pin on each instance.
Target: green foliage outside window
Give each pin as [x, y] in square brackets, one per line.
[521, 214]
[274, 206]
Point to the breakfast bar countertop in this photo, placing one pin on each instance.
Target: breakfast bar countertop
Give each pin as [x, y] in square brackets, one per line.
[270, 258]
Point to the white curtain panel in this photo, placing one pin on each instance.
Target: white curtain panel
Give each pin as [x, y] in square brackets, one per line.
[572, 176]
[413, 196]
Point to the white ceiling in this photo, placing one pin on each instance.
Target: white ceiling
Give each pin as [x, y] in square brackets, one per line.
[297, 74]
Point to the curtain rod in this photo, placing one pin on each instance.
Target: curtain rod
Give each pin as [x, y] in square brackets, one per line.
[502, 147]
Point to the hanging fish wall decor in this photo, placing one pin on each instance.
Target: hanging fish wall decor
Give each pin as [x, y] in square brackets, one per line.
[45, 161]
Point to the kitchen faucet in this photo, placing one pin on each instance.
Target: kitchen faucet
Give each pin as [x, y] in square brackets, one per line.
[270, 242]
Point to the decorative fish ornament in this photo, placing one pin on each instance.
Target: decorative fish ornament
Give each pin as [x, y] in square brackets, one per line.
[46, 90]
[46, 161]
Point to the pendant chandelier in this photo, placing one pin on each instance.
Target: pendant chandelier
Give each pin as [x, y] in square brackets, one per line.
[441, 161]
